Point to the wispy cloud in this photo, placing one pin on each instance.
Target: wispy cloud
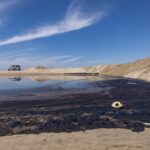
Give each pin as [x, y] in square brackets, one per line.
[26, 60]
[4, 5]
[98, 61]
[14, 54]
[74, 19]
[31, 49]
[74, 59]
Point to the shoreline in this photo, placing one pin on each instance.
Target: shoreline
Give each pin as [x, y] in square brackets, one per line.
[78, 119]
[77, 111]
[25, 73]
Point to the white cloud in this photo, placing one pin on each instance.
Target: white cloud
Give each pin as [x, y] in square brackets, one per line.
[98, 61]
[59, 57]
[14, 54]
[31, 49]
[74, 59]
[26, 60]
[74, 19]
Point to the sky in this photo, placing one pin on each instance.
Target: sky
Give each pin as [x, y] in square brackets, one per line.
[73, 33]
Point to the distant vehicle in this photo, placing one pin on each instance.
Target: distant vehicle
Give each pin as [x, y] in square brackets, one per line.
[14, 68]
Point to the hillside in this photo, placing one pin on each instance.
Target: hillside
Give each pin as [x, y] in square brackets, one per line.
[139, 69]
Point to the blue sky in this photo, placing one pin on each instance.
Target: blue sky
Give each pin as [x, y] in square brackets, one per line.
[70, 33]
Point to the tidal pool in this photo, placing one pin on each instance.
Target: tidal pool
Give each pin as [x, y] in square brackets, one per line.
[43, 83]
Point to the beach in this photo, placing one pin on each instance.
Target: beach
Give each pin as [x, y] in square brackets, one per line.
[74, 113]
[99, 139]
[74, 75]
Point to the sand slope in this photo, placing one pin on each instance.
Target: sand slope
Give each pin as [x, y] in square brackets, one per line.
[139, 69]
[99, 139]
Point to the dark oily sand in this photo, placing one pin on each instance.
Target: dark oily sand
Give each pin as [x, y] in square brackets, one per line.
[80, 110]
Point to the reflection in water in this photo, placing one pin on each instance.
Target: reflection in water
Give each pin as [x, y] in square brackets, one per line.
[43, 78]
[53, 82]
[15, 79]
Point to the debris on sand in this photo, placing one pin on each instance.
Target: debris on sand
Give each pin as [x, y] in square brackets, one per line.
[117, 104]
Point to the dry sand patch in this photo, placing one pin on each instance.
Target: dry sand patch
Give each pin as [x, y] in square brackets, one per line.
[99, 139]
